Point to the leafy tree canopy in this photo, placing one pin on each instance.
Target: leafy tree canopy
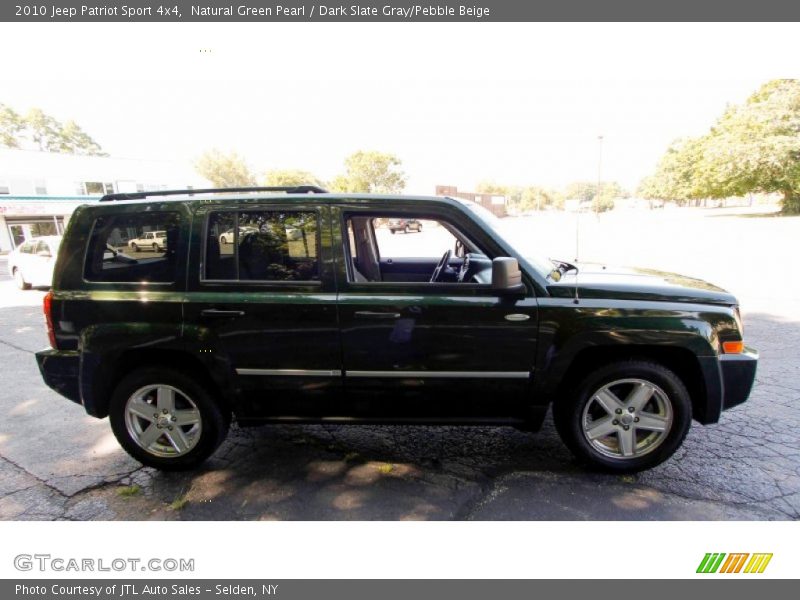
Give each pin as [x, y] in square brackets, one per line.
[523, 198]
[38, 130]
[369, 171]
[291, 177]
[754, 147]
[225, 170]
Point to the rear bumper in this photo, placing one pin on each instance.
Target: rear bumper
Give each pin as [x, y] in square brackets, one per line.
[60, 372]
[738, 374]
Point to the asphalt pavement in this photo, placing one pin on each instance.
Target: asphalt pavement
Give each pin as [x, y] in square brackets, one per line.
[57, 463]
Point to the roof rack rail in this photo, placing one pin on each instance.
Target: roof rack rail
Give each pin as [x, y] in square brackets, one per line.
[297, 189]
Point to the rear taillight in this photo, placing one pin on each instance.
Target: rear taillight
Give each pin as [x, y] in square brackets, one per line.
[48, 318]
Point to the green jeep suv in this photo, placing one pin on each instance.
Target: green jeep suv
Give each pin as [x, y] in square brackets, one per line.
[311, 311]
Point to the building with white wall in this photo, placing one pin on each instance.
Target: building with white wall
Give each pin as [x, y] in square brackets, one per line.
[39, 190]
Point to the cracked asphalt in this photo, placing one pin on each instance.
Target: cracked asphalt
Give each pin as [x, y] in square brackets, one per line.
[56, 463]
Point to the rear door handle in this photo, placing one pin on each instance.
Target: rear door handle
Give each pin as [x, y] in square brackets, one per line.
[369, 314]
[214, 312]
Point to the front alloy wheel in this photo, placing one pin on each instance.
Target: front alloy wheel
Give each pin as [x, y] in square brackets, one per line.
[626, 416]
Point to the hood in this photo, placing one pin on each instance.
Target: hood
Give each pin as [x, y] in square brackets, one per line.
[624, 283]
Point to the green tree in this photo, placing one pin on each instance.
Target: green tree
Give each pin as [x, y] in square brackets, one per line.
[754, 147]
[581, 190]
[602, 199]
[72, 139]
[11, 127]
[370, 172]
[291, 177]
[675, 177]
[523, 198]
[224, 170]
[40, 131]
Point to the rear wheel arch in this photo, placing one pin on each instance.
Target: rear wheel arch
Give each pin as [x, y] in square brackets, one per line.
[114, 369]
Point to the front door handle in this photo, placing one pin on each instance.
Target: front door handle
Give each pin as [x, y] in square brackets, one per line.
[370, 314]
[517, 317]
[214, 312]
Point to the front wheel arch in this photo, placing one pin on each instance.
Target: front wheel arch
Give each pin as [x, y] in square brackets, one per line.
[682, 361]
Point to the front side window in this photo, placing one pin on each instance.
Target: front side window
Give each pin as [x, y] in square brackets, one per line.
[410, 249]
[262, 245]
[133, 248]
[395, 237]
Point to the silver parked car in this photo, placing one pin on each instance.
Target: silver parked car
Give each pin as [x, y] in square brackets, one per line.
[31, 263]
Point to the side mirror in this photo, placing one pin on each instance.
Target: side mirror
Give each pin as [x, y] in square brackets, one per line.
[506, 276]
[44, 254]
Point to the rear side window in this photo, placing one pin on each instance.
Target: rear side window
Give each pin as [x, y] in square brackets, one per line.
[133, 248]
[262, 245]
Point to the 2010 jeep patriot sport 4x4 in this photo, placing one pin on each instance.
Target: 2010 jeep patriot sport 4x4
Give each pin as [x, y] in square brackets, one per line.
[314, 312]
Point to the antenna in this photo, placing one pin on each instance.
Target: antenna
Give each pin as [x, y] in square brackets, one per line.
[576, 300]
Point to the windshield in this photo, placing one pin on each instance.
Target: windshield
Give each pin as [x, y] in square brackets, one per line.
[512, 231]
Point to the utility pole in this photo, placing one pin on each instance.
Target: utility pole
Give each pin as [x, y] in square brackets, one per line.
[599, 175]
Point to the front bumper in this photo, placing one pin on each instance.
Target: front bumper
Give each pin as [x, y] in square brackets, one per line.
[738, 375]
[60, 372]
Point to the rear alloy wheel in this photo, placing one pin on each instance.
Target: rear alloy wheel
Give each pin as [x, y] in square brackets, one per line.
[626, 417]
[166, 420]
[19, 280]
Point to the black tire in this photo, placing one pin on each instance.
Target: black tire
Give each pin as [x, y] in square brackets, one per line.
[393, 231]
[215, 421]
[134, 247]
[19, 280]
[569, 417]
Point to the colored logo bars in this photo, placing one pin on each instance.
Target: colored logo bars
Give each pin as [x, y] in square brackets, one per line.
[734, 563]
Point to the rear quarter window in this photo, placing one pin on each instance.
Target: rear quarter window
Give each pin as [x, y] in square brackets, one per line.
[122, 248]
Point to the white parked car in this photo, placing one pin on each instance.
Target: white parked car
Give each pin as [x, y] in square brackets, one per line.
[227, 237]
[155, 240]
[31, 263]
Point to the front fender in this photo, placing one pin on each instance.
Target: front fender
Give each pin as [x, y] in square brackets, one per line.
[613, 328]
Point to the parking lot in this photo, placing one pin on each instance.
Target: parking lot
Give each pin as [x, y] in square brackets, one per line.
[58, 463]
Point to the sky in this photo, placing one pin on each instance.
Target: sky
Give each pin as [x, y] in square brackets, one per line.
[521, 105]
